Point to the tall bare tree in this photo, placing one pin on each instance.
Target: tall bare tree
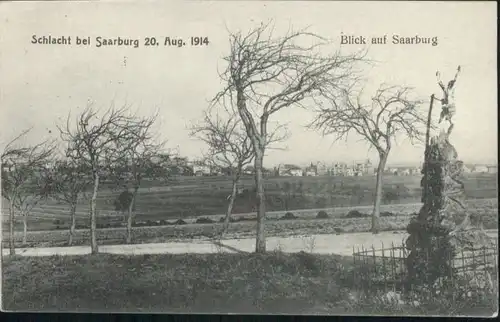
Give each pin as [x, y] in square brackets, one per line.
[69, 184]
[266, 74]
[392, 112]
[23, 183]
[229, 148]
[97, 142]
[140, 145]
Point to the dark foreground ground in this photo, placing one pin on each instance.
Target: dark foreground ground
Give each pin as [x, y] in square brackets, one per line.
[299, 283]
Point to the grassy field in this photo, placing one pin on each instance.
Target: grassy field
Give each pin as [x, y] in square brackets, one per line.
[189, 197]
[275, 282]
[306, 223]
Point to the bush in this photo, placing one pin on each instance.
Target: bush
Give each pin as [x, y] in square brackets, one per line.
[338, 230]
[203, 220]
[387, 214]
[355, 214]
[122, 202]
[179, 222]
[231, 219]
[322, 215]
[238, 219]
[289, 216]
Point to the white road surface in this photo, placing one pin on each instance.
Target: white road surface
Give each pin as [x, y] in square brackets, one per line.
[321, 244]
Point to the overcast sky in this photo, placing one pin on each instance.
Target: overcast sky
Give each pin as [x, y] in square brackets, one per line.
[41, 84]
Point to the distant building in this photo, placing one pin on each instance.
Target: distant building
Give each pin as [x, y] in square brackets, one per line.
[492, 169]
[466, 169]
[268, 172]
[394, 171]
[405, 172]
[311, 171]
[322, 169]
[416, 171]
[249, 170]
[480, 169]
[289, 170]
[349, 172]
[179, 161]
[340, 169]
[362, 167]
[201, 170]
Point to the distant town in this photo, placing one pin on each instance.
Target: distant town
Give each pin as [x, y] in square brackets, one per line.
[184, 166]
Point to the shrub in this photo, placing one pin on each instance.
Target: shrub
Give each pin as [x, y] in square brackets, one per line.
[289, 216]
[231, 219]
[203, 220]
[122, 202]
[355, 214]
[387, 214]
[338, 230]
[179, 222]
[322, 215]
[238, 219]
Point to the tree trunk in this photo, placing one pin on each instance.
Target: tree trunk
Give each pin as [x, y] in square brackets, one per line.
[260, 245]
[11, 227]
[73, 223]
[93, 205]
[130, 215]
[236, 179]
[378, 193]
[25, 228]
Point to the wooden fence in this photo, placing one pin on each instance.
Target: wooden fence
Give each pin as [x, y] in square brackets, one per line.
[385, 269]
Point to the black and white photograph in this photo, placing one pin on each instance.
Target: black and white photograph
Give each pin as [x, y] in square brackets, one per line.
[249, 157]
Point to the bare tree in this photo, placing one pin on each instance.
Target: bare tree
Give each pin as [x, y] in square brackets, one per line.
[139, 146]
[266, 74]
[96, 142]
[229, 148]
[69, 184]
[391, 113]
[23, 183]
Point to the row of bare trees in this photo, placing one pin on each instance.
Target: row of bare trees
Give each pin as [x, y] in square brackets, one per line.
[116, 143]
[265, 75]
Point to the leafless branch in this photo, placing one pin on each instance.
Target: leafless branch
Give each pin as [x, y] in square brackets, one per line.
[228, 143]
[392, 112]
[271, 73]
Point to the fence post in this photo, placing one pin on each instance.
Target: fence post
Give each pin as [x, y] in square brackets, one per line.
[485, 275]
[393, 267]
[374, 261]
[384, 270]
[464, 273]
[452, 276]
[495, 259]
[355, 268]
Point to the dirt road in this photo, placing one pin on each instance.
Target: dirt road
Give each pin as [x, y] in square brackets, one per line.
[322, 244]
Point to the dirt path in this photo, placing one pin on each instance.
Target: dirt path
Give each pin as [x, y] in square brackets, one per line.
[321, 244]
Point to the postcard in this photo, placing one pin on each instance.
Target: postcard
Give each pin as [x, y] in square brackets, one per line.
[249, 157]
